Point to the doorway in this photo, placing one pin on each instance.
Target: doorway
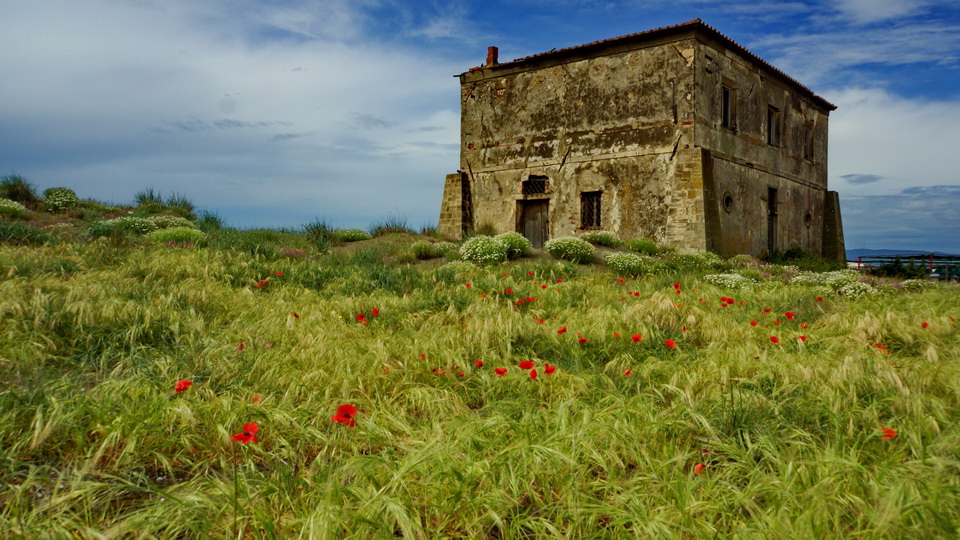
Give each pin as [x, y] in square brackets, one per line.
[771, 220]
[534, 221]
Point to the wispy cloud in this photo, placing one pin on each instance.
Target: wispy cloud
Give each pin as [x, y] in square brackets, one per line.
[861, 178]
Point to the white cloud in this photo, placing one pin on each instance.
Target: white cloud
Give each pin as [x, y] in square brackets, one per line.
[907, 142]
[871, 11]
[111, 97]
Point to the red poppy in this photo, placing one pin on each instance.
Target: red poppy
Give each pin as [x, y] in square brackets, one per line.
[802, 338]
[260, 284]
[345, 415]
[924, 325]
[678, 291]
[819, 299]
[698, 468]
[526, 364]
[543, 286]
[505, 274]
[182, 385]
[616, 334]
[742, 303]
[508, 291]
[468, 285]
[562, 330]
[279, 273]
[501, 371]
[621, 280]
[767, 310]
[774, 339]
[626, 372]
[676, 285]
[478, 363]
[295, 315]
[804, 325]
[670, 343]
[541, 321]
[582, 340]
[559, 280]
[256, 399]
[240, 346]
[528, 299]
[533, 374]
[888, 433]
[529, 273]
[776, 322]
[361, 317]
[549, 369]
[754, 323]
[790, 315]
[423, 356]
[375, 312]
[249, 433]
[636, 338]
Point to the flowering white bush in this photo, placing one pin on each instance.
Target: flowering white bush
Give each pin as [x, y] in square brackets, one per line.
[517, 244]
[483, 249]
[856, 290]
[601, 238]
[12, 208]
[570, 248]
[729, 281]
[352, 235]
[630, 264]
[121, 225]
[57, 199]
[699, 260]
[836, 280]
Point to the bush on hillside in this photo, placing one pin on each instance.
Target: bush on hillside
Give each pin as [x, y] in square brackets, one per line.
[630, 264]
[570, 248]
[13, 209]
[483, 250]
[601, 238]
[177, 236]
[517, 244]
[17, 188]
[643, 246]
[59, 199]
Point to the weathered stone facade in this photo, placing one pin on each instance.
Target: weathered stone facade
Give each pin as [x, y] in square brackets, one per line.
[677, 134]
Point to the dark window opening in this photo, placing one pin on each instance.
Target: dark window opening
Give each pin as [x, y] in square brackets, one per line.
[590, 209]
[808, 143]
[728, 100]
[773, 126]
[728, 202]
[535, 185]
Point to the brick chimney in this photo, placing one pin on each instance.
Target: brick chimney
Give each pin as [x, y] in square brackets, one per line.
[492, 56]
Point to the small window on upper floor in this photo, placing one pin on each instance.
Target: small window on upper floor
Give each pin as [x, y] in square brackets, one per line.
[807, 134]
[590, 209]
[773, 126]
[728, 107]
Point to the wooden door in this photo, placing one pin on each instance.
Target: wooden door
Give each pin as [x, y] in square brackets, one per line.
[534, 221]
[771, 221]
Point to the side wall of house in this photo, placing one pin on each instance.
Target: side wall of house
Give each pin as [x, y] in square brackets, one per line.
[751, 154]
[619, 124]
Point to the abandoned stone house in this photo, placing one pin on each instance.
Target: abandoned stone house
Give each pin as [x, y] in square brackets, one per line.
[677, 134]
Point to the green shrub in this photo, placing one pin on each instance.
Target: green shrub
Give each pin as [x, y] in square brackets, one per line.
[177, 236]
[352, 235]
[59, 199]
[390, 224]
[483, 249]
[644, 246]
[807, 262]
[601, 238]
[570, 248]
[22, 235]
[12, 208]
[209, 221]
[630, 264]
[17, 188]
[148, 197]
[517, 244]
[424, 250]
[169, 222]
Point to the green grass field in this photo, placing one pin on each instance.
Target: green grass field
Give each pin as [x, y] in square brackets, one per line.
[727, 435]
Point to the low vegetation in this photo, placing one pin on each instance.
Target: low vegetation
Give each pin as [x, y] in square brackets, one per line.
[272, 384]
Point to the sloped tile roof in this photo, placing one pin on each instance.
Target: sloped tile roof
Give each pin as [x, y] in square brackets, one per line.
[695, 24]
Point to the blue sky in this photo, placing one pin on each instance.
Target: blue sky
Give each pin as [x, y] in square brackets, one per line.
[277, 112]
